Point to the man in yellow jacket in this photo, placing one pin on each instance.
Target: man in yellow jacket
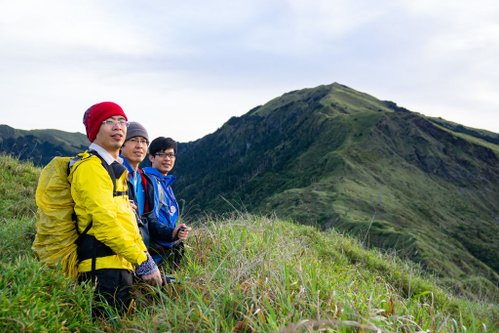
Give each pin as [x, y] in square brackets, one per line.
[110, 247]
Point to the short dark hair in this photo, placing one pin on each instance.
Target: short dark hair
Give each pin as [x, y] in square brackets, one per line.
[161, 144]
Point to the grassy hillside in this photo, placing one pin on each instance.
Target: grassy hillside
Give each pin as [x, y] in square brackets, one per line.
[337, 158]
[241, 274]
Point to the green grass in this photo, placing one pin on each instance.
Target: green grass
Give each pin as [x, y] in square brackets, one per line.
[34, 299]
[17, 191]
[242, 273]
[254, 274]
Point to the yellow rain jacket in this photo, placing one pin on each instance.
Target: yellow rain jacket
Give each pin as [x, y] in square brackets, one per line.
[113, 219]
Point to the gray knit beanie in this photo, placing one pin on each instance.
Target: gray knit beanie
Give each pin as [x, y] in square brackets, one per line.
[135, 129]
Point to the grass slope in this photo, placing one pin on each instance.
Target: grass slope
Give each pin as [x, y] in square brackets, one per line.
[241, 274]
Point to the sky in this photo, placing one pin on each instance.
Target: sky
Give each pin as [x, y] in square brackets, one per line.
[183, 68]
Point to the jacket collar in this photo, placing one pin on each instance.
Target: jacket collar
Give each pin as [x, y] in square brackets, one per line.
[104, 154]
[127, 165]
[168, 179]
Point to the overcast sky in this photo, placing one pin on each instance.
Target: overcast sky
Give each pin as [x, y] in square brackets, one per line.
[183, 68]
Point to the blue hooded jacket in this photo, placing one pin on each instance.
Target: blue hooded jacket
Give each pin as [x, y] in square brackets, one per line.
[166, 207]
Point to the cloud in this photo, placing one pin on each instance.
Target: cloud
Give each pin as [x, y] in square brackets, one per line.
[54, 26]
[204, 61]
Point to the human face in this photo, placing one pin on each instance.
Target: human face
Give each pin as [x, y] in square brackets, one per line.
[163, 161]
[112, 136]
[135, 150]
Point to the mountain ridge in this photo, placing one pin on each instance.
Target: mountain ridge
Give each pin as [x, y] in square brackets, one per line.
[40, 145]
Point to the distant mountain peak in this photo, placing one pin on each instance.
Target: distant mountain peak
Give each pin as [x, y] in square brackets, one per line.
[330, 99]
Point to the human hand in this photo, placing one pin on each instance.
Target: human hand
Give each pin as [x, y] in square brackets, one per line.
[134, 206]
[182, 231]
[154, 279]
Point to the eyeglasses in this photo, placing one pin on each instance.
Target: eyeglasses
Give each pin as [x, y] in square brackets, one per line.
[164, 155]
[137, 141]
[112, 122]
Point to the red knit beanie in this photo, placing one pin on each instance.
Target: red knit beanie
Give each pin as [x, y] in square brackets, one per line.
[96, 114]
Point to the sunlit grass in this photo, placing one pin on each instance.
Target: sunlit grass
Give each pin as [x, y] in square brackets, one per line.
[265, 275]
[253, 274]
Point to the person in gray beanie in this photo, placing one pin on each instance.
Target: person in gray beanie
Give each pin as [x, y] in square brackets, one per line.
[133, 151]
[141, 189]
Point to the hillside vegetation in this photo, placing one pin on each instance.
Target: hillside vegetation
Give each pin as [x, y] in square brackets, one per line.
[423, 188]
[241, 274]
[40, 146]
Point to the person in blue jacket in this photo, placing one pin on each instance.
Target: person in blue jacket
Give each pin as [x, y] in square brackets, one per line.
[162, 154]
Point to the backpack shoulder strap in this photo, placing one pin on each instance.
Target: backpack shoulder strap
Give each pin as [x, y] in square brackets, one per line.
[115, 170]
